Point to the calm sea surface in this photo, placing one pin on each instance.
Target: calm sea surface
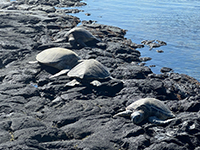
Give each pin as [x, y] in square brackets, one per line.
[176, 22]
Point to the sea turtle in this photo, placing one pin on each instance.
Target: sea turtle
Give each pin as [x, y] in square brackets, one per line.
[89, 71]
[59, 58]
[148, 108]
[79, 35]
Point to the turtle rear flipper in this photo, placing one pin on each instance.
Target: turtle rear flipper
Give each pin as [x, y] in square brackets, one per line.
[64, 71]
[123, 113]
[157, 121]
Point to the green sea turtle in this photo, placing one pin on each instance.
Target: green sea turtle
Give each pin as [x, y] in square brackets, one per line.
[148, 108]
[88, 71]
[59, 58]
[79, 35]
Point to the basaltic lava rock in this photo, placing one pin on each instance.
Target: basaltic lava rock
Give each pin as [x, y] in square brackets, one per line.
[37, 112]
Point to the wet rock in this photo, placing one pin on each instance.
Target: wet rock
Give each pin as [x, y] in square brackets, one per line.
[160, 51]
[153, 43]
[133, 45]
[165, 69]
[87, 14]
[152, 66]
[145, 58]
[69, 11]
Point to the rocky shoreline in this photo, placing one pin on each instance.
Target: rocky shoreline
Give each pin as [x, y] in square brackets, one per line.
[41, 113]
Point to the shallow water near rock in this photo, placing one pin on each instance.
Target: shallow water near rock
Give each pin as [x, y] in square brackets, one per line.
[176, 22]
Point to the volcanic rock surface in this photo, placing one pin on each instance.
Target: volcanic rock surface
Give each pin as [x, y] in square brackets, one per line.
[41, 113]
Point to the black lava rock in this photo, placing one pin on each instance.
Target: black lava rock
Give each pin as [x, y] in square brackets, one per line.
[37, 112]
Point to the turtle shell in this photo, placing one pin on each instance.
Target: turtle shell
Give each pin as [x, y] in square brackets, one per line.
[89, 69]
[81, 33]
[154, 107]
[59, 58]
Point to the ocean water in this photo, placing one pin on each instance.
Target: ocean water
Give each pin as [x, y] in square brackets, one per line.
[176, 22]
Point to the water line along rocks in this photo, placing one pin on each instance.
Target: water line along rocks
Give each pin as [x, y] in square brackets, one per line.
[41, 113]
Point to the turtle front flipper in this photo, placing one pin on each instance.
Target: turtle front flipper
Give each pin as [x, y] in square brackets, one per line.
[157, 121]
[79, 41]
[73, 83]
[123, 113]
[33, 62]
[96, 83]
[64, 71]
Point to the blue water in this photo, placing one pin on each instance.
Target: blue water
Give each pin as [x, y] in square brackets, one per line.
[176, 22]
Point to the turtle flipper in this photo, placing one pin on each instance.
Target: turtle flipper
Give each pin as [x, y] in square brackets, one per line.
[123, 113]
[96, 83]
[33, 62]
[60, 40]
[64, 71]
[157, 121]
[73, 83]
[79, 41]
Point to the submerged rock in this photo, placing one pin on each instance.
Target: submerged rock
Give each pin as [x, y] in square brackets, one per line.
[165, 69]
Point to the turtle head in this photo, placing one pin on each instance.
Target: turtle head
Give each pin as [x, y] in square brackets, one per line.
[71, 39]
[137, 117]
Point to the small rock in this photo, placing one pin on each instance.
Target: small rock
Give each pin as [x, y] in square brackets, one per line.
[165, 69]
[152, 66]
[160, 51]
[145, 59]
[87, 14]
